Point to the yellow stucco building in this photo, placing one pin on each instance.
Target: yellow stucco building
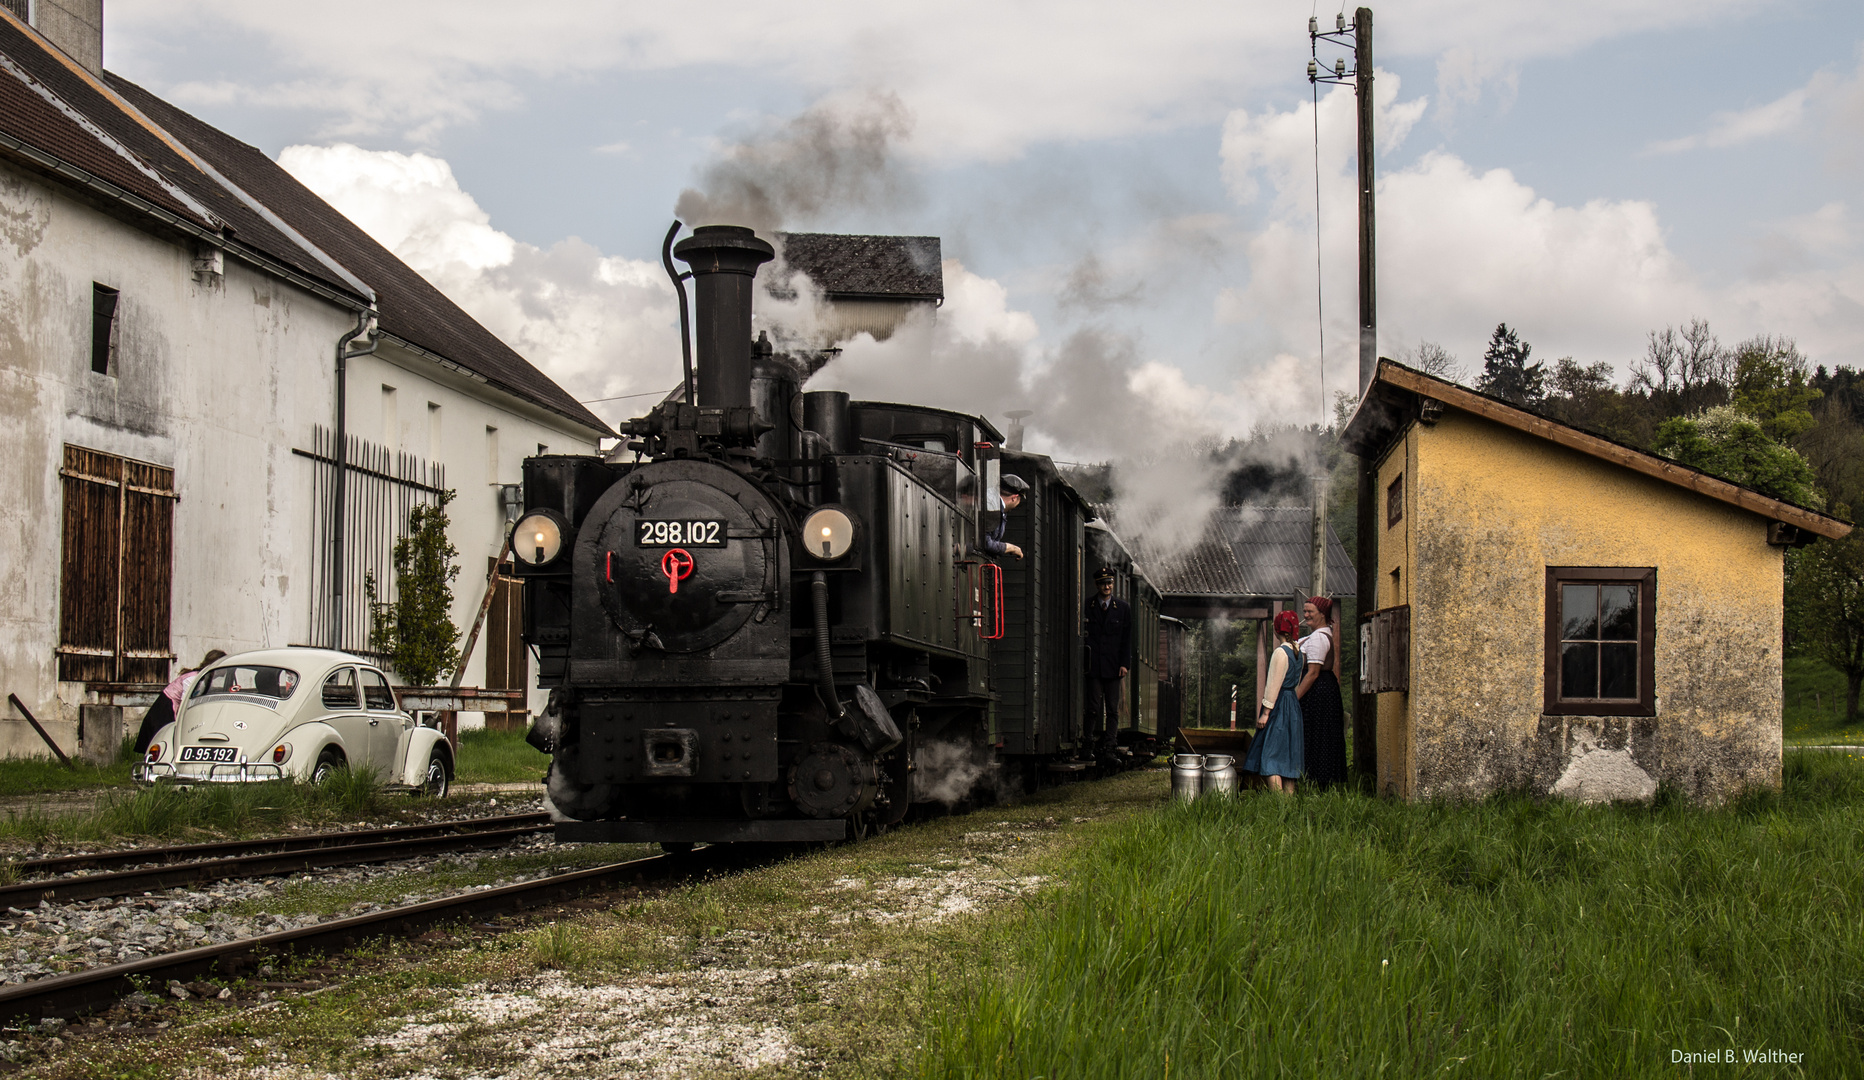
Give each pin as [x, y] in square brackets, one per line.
[1560, 613]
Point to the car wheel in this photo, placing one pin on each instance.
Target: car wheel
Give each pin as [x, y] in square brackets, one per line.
[327, 763]
[434, 783]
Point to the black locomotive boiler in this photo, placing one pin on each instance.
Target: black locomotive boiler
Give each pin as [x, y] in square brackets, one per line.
[775, 622]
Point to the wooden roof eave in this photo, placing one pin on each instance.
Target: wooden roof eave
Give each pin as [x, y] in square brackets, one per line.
[1377, 417]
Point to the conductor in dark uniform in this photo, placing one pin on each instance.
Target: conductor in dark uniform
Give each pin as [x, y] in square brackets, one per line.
[1107, 632]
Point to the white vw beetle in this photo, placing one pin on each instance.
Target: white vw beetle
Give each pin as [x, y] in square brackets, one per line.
[296, 713]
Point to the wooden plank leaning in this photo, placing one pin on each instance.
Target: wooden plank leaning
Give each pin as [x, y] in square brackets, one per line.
[30, 719]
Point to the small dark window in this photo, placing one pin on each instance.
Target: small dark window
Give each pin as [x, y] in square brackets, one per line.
[1601, 640]
[1394, 502]
[103, 329]
[340, 690]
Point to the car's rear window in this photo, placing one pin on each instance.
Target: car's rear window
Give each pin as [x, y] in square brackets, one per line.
[247, 679]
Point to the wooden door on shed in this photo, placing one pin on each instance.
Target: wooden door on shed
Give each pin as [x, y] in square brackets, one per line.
[116, 568]
[507, 666]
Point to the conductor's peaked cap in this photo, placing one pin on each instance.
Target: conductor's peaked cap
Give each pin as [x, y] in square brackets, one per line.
[1013, 484]
[1105, 573]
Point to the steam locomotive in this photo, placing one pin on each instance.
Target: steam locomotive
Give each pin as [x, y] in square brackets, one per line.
[775, 622]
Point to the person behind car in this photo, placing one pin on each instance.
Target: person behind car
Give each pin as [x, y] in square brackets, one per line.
[167, 704]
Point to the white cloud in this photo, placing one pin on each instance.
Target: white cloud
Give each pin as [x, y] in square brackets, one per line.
[983, 78]
[1734, 128]
[600, 325]
[1828, 99]
[1460, 251]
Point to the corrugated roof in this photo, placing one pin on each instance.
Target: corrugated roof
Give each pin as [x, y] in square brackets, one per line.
[1245, 551]
[132, 139]
[1275, 547]
[878, 267]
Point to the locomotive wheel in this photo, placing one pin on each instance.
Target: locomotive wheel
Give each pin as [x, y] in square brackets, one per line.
[833, 780]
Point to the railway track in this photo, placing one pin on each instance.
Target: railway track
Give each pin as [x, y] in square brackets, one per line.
[99, 988]
[195, 864]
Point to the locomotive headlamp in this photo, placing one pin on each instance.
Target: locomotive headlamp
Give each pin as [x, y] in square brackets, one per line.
[537, 538]
[828, 533]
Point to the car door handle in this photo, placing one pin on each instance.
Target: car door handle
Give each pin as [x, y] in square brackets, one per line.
[375, 723]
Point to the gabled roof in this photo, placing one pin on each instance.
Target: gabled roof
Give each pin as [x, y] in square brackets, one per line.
[1398, 393]
[1246, 552]
[115, 139]
[868, 267]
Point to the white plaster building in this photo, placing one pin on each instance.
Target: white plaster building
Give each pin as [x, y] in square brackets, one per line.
[171, 308]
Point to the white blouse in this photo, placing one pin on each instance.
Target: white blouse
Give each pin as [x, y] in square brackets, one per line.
[1278, 670]
[1317, 645]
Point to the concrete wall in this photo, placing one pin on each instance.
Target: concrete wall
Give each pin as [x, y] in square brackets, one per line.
[1397, 575]
[219, 379]
[1490, 508]
[407, 402]
[213, 379]
[75, 26]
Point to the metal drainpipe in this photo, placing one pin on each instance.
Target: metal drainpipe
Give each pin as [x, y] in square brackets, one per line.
[365, 329]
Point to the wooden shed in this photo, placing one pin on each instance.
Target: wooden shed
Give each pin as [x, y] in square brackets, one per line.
[1561, 613]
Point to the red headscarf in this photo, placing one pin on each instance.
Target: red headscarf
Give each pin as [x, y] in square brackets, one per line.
[1324, 605]
[1287, 623]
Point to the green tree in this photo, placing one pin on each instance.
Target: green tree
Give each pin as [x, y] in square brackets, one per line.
[1772, 383]
[1505, 371]
[415, 631]
[1726, 442]
[1825, 601]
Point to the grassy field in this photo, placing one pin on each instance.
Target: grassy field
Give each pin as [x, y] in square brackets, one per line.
[499, 757]
[1815, 705]
[210, 810]
[35, 775]
[1338, 936]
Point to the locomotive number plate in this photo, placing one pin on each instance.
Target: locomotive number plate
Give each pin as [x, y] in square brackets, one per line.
[690, 533]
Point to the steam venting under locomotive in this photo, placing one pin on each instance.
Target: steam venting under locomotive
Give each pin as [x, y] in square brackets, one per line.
[774, 616]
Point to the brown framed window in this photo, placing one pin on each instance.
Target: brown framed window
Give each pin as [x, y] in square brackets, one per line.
[1394, 502]
[1601, 635]
[116, 562]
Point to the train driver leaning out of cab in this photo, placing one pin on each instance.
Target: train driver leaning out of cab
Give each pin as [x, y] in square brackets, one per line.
[1014, 489]
[1107, 633]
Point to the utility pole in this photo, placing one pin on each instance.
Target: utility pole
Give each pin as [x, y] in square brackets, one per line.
[1365, 705]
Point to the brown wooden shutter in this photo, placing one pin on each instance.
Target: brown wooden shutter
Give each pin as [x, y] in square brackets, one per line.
[116, 572]
[1386, 661]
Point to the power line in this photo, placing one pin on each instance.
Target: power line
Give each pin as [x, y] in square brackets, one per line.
[625, 397]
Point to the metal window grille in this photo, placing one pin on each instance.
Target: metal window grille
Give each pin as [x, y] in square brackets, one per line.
[384, 486]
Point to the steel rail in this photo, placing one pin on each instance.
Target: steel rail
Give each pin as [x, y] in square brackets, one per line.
[99, 988]
[269, 864]
[60, 864]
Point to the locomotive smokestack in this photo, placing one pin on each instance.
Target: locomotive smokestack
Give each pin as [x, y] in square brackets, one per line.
[724, 259]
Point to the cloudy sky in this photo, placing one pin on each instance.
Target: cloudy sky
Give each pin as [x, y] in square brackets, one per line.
[1126, 192]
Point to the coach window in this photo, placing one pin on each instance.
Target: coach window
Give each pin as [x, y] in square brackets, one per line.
[1601, 641]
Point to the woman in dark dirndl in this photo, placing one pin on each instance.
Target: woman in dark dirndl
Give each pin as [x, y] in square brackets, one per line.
[1323, 719]
[1276, 751]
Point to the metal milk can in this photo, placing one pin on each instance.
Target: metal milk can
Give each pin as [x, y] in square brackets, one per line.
[1187, 774]
[1219, 774]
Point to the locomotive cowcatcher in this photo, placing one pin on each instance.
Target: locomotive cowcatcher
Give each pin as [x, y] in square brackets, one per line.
[760, 627]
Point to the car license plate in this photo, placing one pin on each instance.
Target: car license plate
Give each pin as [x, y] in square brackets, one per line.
[210, 753]
[689, 533]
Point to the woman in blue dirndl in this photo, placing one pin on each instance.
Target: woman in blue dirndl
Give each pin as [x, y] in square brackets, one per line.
[1276, 752]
